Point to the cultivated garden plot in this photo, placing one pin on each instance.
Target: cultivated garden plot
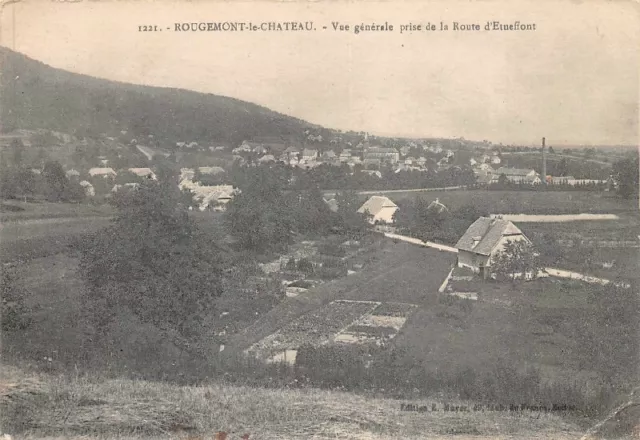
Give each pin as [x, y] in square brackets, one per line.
[382, 324]
[316, 328]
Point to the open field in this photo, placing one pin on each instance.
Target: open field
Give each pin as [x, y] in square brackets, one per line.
[52, 294]
[608, 249]
[526, 202]
[568, 329]
[25, 239]
[17, 210]
[40, 406]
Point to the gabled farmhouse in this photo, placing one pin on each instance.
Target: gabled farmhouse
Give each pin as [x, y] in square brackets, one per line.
[484, 239]
[380, 208]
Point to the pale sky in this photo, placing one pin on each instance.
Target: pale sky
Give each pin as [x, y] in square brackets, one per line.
[574, 80]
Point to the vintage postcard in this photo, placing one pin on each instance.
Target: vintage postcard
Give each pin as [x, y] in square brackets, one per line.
[319, 219]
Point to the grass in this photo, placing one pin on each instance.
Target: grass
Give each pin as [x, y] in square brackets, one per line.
[576, 328]
[53, 292]
[525, 202]
[11, 210]
[37, 406]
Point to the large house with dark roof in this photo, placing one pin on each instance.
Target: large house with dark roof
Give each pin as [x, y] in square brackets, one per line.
[485, 238]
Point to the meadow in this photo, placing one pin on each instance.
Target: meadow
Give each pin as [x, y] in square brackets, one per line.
[524, 202]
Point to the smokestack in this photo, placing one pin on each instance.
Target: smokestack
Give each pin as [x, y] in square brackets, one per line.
[544, 164]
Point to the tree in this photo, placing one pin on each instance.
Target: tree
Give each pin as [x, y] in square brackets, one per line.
[517, 261]
[350, 220]
[311, 213]
[563, 167]
[259, 216]
[154, 262]
[626, 174]
[56, 181]
[14, 312]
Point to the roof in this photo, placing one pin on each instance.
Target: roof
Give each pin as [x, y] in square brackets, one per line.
[142, 172]
[488, 232]
[513, 171]
[333, 204]
[267, 158]
[205, 195]
[292, 149]
[375, 204]
[101, 171]
[381, 150]
[309, 152]
[211, 170]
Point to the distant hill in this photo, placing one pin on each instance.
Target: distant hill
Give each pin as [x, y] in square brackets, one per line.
[34, 95]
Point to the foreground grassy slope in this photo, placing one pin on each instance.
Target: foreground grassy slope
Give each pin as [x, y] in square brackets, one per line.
[39, 406]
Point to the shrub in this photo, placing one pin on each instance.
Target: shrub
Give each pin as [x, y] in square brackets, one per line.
[304, 265]
[331, 249]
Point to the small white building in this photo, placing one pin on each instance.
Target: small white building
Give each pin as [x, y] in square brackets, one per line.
[381, 209]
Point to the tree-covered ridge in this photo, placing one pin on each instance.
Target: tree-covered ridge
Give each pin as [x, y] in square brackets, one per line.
[33, 94]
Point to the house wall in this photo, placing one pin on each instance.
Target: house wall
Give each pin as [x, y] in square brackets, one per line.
[385, 215]
[472, 261]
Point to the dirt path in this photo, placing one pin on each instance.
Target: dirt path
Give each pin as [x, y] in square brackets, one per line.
[392, 191]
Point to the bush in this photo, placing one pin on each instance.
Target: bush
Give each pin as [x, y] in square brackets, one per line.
[306, 266]
[331, 249]
[291, 265]
[15, 314]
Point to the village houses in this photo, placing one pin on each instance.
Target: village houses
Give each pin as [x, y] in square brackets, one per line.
[518, 175]
[382, 154]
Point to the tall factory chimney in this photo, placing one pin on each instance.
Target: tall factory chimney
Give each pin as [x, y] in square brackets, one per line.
[544, 164]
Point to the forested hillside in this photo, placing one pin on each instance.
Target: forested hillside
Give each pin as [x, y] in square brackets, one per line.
[34, 95]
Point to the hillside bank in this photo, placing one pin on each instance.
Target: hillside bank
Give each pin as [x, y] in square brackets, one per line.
[41, 406]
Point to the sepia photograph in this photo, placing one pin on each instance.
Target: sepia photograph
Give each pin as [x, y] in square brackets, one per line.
[345, 219]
